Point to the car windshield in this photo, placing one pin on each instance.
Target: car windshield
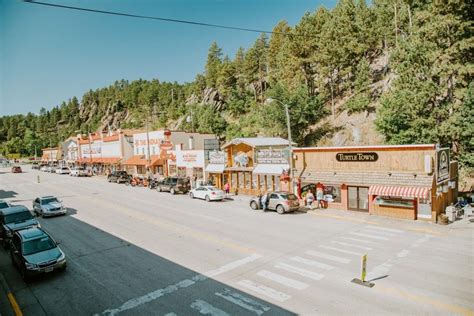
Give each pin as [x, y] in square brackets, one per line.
[49, 200]
[18, 217]
[213, 189]
[3, 204]
[289, 196]
[38, 245]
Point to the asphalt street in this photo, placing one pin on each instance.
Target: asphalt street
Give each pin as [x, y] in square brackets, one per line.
[135, 251]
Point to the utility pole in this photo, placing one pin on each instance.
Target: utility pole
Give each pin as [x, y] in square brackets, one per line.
[148, 145]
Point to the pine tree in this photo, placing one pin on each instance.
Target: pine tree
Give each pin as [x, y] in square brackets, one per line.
[213, 64]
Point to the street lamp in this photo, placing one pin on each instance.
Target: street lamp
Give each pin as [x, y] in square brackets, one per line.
[290, 147]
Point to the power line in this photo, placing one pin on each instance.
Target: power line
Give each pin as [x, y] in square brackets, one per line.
[158, 18]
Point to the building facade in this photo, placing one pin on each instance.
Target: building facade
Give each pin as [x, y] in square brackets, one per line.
[403, 181]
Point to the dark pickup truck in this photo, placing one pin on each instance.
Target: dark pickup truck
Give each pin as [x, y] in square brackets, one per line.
[118, 177]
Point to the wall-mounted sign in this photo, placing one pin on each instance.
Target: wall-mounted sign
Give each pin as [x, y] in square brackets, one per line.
[241, 159]
[217, 157]
[271, 156]
[356, 157]
[442, 165]
[190, 158]
[211, 144]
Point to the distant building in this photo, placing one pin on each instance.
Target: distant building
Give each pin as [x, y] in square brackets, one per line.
[51, 155]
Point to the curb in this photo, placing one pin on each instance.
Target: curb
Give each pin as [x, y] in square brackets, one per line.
[11, 298]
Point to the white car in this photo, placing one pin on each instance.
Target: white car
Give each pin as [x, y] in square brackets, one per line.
[44, 168]
[78, 172]
[63, 170]
[208, 193]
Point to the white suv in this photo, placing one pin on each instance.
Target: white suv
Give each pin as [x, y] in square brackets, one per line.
[78, 172]
[63, 170]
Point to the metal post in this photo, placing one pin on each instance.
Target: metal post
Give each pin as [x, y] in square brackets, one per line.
[290, 158]
[50, 152]
[148, 147]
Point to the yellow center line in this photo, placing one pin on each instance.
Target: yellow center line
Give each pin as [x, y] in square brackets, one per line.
[14, 304]
[427, 301]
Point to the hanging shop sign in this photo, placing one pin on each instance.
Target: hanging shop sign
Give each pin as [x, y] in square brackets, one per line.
[442, 165]
[241, 159]
[271, 156]
[356, 157]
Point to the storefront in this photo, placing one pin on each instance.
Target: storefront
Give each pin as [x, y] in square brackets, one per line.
[51, 156]
[403, 181]
[215, 168]
[190, 163]
[256, 165]
[139, 165]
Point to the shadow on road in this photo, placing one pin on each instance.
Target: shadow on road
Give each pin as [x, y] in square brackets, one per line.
[106, 274]
[7, 194]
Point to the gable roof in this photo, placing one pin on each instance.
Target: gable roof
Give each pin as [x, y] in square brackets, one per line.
[258, 141]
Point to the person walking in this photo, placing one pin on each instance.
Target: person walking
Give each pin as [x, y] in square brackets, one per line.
[320, 195]
[309, 199]
[227, 188]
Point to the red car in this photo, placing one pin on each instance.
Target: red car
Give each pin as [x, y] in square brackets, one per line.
[16, 169]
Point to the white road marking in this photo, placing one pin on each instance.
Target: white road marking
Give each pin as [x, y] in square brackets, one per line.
[243, 301]
[403, 253]
[283, 280]
[232, 265]
[327, 256]
[205, 308]
[300, 271]
[264, 290]
[135, 302]
[386, 229]
[312, 263]
[341, 250]
[372, 231]
[369, 236]
[350, 245]
[360, 240]
[171, 314]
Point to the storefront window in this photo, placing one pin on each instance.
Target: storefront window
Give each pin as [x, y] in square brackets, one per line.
[332, 193]
[241, 179]
[181, 172]
[198, 173]
[262, 183]
[140, 169]
[254, 181]
[394, 201]
[172, 170]
[234, 180]
[248, 179]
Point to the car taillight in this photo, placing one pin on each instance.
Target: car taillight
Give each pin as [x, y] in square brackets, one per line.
[213, 193]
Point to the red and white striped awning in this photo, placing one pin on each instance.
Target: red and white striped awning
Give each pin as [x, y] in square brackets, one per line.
[408, 192]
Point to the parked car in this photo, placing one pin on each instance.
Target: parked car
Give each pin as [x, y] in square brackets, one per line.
[63, 170]
[48, 206]
[15, 218]
[208, 193]
[44, 168]
[16, 169]
[33, 252]
[52, 169]
[174, 185]
[282, 202]
[4, 204]
[119, 177]
[78, 172]
[35, 165]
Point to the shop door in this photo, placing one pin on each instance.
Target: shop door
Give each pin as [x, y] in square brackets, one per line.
[358, 198]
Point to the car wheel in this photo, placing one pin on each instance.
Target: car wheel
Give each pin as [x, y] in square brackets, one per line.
[280, 209]
[254, 205]
[191, 195]
[208, 199]
[172, 191]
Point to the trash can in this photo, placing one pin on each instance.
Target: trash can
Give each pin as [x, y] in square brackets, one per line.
[451, 213]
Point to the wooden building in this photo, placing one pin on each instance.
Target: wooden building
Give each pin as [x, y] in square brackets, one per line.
[404, 181]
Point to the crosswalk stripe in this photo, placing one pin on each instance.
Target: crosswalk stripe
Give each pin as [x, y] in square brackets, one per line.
[369, 236]
[312, 263]
[386, 229]
[372, 231]
[243, 301]
[327, 256]
[341, 250]
[283, 280]
[350, 245]
[205, 308]
[360, 240]
[264, 290]
[300, 271]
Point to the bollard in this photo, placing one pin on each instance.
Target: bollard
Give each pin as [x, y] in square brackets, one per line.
[38, 178]
[363, 273]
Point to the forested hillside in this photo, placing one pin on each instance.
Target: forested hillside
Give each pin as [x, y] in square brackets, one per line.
[400, 68]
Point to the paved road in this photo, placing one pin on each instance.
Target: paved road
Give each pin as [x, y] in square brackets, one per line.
[137, 251]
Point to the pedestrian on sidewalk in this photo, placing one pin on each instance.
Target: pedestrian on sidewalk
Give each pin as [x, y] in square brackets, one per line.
[227, 188]
[309, 199]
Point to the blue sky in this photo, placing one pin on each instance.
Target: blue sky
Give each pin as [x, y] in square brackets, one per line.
[48, 55]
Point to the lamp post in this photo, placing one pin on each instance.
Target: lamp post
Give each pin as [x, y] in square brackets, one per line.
[290, 146]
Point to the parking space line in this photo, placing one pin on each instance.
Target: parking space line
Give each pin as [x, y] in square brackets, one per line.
[327, 256]
[386, 229]
[243, 301]
[300, 271]
[264, 290]
[360, 240]
[283, 280]
[205, 308]
[312, 263]
[372, 231]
